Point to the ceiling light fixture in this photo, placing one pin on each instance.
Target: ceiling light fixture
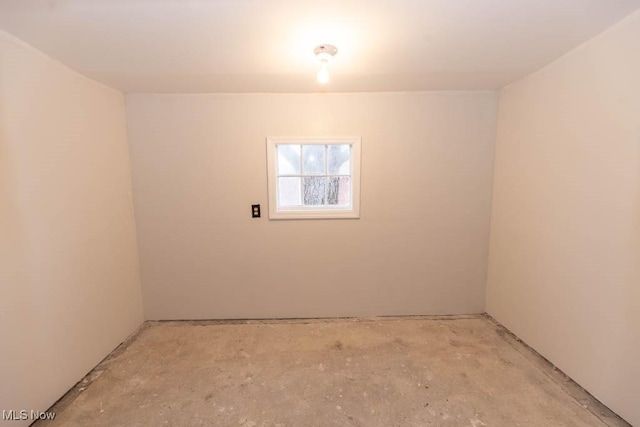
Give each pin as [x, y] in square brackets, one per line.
[324, 53]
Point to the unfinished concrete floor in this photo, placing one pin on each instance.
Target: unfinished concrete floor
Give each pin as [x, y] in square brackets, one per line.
[460, 371]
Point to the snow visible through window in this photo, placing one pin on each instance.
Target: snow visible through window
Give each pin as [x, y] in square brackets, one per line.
[314, 176]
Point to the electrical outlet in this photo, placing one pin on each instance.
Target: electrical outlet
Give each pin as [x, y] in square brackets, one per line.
[255, 211]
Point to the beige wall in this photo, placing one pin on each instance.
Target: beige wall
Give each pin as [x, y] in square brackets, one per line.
[564, 270]
[420, 246]
[69, 278]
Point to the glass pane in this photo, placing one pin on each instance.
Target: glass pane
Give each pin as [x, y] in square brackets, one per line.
[339, 191]
[314, 190]
[289, 191]
[339, 159]
[288, 159]
[313, 159]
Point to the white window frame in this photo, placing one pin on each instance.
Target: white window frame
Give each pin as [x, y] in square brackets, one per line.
[307, 212]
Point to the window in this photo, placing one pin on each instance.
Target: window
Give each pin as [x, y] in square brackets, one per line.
[314, 177]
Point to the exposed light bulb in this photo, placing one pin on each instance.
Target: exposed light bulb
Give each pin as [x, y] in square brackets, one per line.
[323, 75]
[324, 54]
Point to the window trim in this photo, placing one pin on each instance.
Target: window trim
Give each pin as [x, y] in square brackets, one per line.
[305, 212]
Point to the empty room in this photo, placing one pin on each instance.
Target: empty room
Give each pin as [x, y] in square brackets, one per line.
[341, 213]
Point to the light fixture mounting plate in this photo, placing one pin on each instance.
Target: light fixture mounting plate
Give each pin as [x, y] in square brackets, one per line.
[325, 48]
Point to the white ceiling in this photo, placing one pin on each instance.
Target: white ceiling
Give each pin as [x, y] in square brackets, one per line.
[267, 45]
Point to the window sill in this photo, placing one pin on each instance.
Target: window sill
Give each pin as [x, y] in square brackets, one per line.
[310, 214]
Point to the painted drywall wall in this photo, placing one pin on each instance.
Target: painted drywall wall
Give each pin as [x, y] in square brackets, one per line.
[419, 247]
[564, 269]
[69, 274]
